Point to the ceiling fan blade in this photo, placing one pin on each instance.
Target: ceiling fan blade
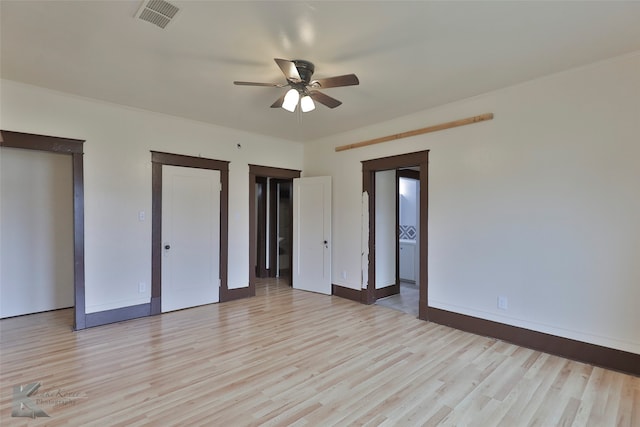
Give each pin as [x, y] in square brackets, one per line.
[256, 84]
[278, 102]
[346, 80]
[289, 69]
[324, 99]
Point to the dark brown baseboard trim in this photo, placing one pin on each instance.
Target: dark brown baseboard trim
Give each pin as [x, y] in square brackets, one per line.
[233, 294]
[348, 293]
[156, 306]
[604, 357]
[387, 291]
[117, 315]
[143, 310]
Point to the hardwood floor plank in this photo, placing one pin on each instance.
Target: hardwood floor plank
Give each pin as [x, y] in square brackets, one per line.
[293, 358]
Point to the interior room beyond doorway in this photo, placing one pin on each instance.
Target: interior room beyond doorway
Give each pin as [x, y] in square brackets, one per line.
[270, 223]
[397, 213]
[380, 182]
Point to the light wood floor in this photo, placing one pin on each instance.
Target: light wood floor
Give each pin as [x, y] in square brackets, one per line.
[289, 357]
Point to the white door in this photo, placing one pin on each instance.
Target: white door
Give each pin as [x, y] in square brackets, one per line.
[190, 237]
[312, 234]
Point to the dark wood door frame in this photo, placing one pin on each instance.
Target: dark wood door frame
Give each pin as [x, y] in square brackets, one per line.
[255, 172]
[158, 159]
[73, 147]
[369, 169]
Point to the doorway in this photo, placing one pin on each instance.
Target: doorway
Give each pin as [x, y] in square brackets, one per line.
[371, 180]
[158, 161]
[281, 220]
[74, 149]
[402, 243]
[270, 223]
[273, 227]
[36, 266]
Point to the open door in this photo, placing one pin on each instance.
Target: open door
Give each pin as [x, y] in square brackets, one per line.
[312, 234]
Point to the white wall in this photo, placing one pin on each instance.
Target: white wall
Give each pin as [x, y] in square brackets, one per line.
[385, 228]
[408, 207]
[117, 172]
[36, 231]
[540, 205]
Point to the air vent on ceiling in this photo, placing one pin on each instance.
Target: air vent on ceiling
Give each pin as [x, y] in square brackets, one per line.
[158, 12]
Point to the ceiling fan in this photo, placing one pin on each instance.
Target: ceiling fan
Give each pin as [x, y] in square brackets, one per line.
[304, 90]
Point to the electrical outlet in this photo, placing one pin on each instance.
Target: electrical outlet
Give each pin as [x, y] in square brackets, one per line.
[503, 302]
[142, 287]
[141, 216]
[344, 274]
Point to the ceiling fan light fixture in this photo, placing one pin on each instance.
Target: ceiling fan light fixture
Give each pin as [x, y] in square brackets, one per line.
[291, 100]
[298, 74]
[306, 104]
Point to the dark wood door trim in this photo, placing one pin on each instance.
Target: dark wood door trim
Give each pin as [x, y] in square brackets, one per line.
[409, 173]
[159, 159]
[73, 147]
[369, 168]
[256, 171]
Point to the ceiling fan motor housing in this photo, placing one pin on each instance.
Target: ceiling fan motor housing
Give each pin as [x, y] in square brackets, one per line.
[305, 69]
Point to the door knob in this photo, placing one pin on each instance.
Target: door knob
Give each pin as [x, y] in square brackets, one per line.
[167, 247]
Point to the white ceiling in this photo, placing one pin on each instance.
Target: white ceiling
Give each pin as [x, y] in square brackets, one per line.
[409, 56]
